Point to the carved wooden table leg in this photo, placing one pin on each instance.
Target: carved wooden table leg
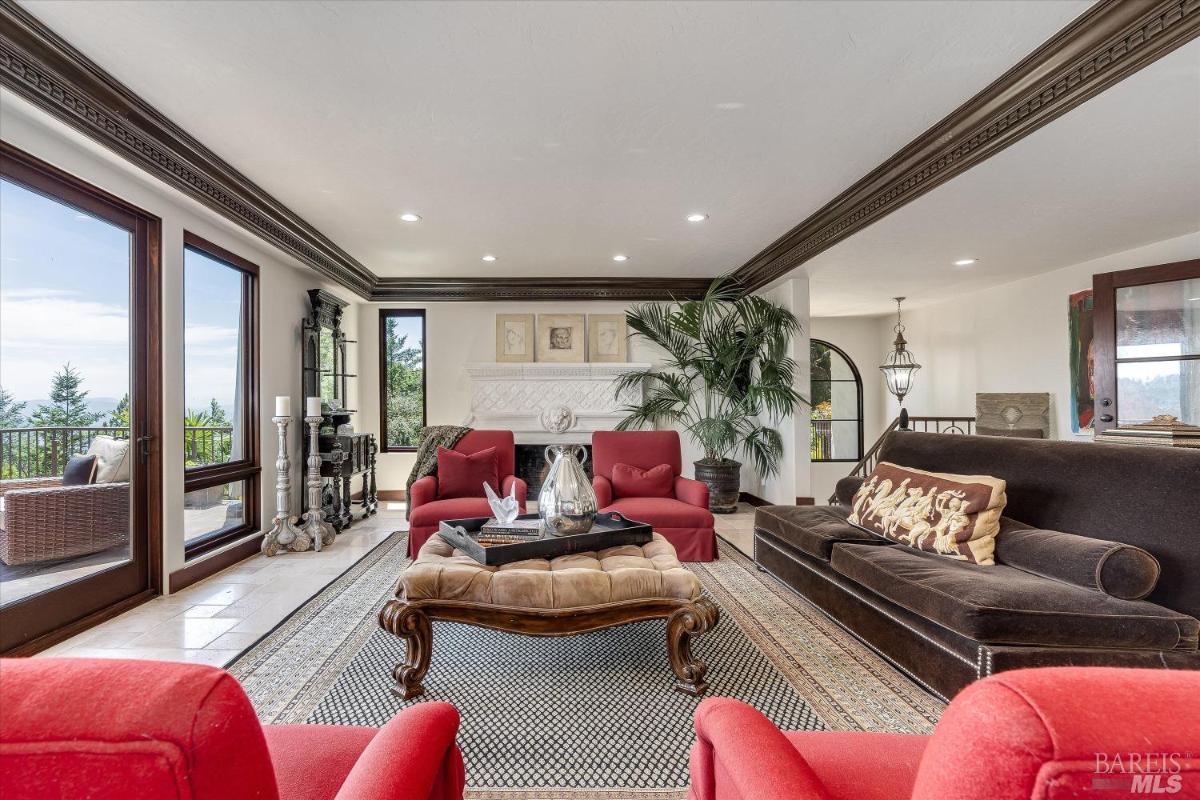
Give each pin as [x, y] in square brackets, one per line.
[412, 625]
[688, 621]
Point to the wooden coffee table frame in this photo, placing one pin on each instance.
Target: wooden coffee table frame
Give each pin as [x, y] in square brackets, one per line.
[411, 621]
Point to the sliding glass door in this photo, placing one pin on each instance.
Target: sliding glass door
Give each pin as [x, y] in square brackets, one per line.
[79, 403]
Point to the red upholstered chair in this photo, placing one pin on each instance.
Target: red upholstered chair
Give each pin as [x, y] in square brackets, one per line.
[684, 519]
[427, 509]
[1051, 734]
[152, 730]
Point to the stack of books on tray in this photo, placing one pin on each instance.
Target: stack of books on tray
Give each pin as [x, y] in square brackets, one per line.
[519, 530]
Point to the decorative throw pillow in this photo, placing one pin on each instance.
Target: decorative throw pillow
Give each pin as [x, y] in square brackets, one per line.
[80, 471]
[112, 459]
[631, 481]
[954, 515]
[462, 475]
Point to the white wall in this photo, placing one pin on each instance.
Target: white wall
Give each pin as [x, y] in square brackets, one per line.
[282, 287]
[1010, 338]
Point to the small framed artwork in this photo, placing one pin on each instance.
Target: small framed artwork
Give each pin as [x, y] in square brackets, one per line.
[560, 337]
[514, 337]
[607, 340]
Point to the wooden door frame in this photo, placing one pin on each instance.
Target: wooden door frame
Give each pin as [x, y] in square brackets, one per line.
[1104, 327]
[74, 613]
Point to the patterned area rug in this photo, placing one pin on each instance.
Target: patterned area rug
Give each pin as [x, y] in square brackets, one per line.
[589, 716]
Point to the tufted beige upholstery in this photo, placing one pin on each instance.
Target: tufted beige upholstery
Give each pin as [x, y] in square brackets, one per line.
[614, 575]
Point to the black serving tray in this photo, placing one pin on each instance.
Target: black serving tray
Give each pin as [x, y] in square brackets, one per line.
[608, 530]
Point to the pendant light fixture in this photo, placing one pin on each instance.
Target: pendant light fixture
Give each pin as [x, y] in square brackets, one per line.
[899, 367]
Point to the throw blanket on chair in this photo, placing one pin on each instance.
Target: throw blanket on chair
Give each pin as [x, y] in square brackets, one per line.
[432, 437]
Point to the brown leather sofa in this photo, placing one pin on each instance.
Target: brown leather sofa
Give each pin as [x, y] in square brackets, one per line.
[1048, 600]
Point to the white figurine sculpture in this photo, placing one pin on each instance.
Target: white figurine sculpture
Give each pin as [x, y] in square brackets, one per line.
[506, 509]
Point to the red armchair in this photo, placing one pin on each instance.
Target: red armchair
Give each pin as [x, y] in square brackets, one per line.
[426, 509]
[113, 730]
[1054, 733]
[684, 520]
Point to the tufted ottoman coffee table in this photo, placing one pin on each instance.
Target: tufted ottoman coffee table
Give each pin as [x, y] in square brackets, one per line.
[557, 597]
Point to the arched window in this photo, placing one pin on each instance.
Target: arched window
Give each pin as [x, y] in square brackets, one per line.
[837, 405]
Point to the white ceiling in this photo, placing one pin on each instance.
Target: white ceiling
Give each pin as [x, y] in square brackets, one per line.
[1119, 171]
[557, 134]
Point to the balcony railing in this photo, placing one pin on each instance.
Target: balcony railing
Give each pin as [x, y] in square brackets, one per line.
[821, 439]
[44, 452]
[960, 425]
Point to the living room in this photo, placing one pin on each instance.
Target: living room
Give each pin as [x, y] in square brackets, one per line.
[599, 400]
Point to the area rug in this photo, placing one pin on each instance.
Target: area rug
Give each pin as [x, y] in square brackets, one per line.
[590, 716]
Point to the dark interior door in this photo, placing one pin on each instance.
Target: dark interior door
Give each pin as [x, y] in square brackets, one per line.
[1147, 344]
[79, 440]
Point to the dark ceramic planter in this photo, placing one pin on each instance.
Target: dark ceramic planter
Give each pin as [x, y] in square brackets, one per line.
[724, 481]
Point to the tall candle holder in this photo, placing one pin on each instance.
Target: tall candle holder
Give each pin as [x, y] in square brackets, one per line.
[284, 535]
[320, 531]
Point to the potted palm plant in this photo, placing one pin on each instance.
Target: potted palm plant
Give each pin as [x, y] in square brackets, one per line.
[727, 381]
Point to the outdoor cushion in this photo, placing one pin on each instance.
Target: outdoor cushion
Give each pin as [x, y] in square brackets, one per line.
[112, 459]
[662, 512]
[1004, 605]
[612, 575]
[80, 471]
[463, 475]
[630, 481]
[812, 529]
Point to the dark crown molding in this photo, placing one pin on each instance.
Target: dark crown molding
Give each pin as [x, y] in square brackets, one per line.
[1109, 42]
[418, 289]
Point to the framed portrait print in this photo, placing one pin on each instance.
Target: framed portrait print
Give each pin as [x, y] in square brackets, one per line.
[514, 337]
[560, 337]
[607, 339]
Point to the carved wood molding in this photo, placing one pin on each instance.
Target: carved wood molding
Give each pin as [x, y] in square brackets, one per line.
[44, 69]
[483, 289]
[1110, 41]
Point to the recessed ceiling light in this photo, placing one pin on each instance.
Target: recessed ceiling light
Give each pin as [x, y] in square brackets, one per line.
[965, 262]
[697, 217]
[620, 257]
[489, 258]
[408, 216]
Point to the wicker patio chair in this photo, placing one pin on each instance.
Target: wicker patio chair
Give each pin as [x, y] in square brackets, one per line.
[46, 521]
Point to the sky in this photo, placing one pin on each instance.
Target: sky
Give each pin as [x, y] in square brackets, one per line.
[64, 297]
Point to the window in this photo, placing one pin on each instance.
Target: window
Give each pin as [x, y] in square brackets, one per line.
[837, 401]
[402, 377]
[220, 389]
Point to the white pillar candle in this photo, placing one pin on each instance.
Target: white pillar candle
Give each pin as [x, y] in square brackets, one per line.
[314, 407]
[283, 406]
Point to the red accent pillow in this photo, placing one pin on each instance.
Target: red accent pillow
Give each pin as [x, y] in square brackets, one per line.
[630, 481]
[462, 475]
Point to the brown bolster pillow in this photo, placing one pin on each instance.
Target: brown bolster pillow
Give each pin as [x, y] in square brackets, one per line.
[1119, 570]
[845, 489]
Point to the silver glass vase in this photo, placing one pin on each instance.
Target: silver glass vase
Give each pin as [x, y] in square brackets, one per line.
[566, 502]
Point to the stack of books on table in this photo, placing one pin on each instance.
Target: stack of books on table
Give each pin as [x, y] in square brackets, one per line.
[519, 530]
[1162, 431]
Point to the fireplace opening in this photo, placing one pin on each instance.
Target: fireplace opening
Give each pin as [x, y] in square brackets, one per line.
[532, 467]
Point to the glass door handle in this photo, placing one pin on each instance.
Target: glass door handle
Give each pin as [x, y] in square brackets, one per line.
[144, 447]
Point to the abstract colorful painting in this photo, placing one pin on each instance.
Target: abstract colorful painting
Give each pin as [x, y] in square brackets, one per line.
[1083, 390]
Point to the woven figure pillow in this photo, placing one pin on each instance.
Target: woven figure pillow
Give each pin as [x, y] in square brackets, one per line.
[953, 515]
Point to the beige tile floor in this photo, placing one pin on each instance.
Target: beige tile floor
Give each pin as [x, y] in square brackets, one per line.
[213, 621]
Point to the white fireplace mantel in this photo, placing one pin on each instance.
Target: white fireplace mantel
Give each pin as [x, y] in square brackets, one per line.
[550, 403]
